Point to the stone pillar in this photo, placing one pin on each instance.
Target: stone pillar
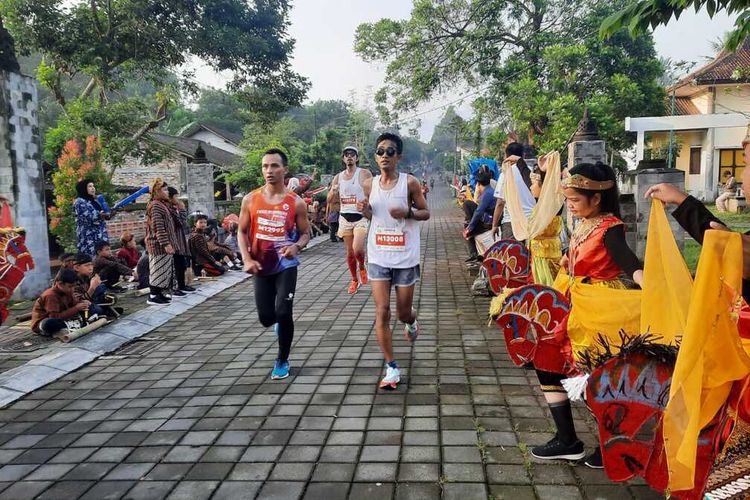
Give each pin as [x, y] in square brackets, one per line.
[21, 174]
[199, 184]
[645, 178]
[585, 147]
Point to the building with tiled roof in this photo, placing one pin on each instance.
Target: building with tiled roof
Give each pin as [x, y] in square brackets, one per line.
[708, 110]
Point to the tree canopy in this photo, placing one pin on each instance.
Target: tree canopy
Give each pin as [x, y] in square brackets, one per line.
[112, 43]
[640, 15]
[534, 66]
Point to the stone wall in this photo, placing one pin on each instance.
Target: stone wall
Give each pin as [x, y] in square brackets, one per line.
[199, 186]
[21, 175]
[134, 173]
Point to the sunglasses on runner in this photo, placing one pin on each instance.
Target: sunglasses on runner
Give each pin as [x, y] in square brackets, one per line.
[389, 151]
[349, 152]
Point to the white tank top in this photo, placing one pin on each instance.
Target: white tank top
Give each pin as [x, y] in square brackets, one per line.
[392, 243]
[350, 192]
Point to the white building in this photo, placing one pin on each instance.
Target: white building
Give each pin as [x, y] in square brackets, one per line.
[711, 113]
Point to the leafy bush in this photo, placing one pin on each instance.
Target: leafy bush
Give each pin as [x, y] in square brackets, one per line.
[74, 164]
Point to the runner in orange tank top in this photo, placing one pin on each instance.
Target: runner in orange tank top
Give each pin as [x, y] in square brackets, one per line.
[273, 229]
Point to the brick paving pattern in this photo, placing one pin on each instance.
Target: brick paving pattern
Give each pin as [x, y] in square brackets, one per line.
[198, 417]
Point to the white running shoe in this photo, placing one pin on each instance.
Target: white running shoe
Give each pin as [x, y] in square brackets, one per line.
[391, 379]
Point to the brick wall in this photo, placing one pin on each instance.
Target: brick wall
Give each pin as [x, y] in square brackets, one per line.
[132, 221]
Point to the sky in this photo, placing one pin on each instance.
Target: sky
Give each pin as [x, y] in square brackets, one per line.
[324, 33]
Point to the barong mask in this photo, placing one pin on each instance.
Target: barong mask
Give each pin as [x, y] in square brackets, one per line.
[508, 265]
[529, 318]
[627, 395]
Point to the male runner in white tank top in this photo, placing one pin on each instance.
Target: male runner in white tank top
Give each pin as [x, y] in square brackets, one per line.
[353, 226]
[394, 203]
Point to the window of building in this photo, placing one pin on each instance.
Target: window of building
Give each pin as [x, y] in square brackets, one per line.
[732, 162]
[695, 161]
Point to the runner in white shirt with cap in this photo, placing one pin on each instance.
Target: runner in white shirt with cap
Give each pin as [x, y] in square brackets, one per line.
[353, 226]
[394, 203]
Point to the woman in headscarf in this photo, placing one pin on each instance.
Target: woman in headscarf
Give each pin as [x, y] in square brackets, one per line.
[91, 219]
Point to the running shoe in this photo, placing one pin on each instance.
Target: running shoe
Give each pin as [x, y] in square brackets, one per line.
[411, 332]
[391, 379]
[187, 289]
[363, 276]
[178, 293]
[280, 370]
[557, 450]
[353, 287]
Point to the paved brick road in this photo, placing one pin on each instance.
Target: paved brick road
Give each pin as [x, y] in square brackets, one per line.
[197, 416]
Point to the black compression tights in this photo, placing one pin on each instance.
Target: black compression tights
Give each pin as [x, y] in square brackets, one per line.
[274, 297]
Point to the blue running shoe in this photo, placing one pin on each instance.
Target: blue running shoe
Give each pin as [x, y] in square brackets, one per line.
[280, 370]
[276, 329]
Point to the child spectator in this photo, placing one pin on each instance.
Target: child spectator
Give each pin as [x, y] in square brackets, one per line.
[203, 260]
[57, 304]
[67, 260]
[109, 268]
[128, 253]
[220, 251]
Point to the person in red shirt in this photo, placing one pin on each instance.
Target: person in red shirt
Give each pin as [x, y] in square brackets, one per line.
[128, 253]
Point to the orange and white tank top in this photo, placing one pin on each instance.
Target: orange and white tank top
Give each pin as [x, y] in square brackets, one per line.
[350, 192]
[272, 227]
[392, 243]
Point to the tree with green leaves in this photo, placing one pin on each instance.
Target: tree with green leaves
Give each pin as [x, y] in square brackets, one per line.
[112, 43]
[534, 65]
[640, 15]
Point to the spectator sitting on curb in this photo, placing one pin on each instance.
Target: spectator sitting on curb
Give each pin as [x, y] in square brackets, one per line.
[231, 241]
[109, 268]
[67, 260]
[220, 251]
[89, 287]
[128, 253]
[203, 260]
[57, 305]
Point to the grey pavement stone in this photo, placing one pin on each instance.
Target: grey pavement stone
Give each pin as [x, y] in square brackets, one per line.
[417, 491]
[378, 472]
[193, 490]
[415, 472]
[30, 489]
[465, 473]
[237, 490]
[325, 491]
[371, 491]
[150, 490]
[198, 416]
[545, 492]
[464, 491]
[281, 490]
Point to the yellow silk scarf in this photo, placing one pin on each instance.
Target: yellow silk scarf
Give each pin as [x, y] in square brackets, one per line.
[551, 199]
[711, 355]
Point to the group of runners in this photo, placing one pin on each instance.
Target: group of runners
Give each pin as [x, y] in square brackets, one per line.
[379, 219]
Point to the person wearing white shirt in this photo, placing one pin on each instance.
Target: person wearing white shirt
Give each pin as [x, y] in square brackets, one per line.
[522, 177]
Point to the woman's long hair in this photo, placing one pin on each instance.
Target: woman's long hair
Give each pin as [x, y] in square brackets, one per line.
[600, 172]
[83, 192]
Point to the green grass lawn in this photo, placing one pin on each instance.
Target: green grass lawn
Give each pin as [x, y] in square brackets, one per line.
[738, 222]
